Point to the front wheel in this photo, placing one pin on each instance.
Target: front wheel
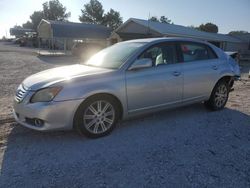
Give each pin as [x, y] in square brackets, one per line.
[219, 96]
[97, 117]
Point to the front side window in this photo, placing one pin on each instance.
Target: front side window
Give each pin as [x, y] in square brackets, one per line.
[194, 52]
[162, 54]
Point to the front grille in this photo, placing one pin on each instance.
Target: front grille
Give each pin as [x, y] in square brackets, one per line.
[21, 93]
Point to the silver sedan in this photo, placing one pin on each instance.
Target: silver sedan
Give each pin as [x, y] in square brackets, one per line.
[125, 80]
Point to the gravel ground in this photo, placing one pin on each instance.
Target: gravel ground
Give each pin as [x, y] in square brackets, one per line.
[16, 64]
[184, 147]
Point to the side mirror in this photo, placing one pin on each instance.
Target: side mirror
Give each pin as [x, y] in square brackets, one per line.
[141, 63]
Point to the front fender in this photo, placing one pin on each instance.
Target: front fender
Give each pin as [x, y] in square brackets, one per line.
[81, 89]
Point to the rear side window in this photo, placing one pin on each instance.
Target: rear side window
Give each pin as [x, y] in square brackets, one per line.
[196, 52]
[211, 53]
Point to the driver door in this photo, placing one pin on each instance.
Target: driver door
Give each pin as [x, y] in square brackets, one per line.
[156, 86]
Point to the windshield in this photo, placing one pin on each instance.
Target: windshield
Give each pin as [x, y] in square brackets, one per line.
[114, 56]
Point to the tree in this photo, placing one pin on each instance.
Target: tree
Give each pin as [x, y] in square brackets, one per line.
[93, 13]
[35, 18]
[54, 10]
[154, 19]
[238, 32]
[208, 27]
[18, 27]
[163, 19]
[112, 19]
[28, 25]
[192, 26]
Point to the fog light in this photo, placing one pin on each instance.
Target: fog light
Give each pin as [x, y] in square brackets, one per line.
[38, 122]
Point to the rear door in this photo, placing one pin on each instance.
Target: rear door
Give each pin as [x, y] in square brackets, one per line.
[158, 85]
[200, 67]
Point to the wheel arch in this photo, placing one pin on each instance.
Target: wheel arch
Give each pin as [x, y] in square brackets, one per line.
[210, 102]
[119, 104]
[228, 79]
[225, 77]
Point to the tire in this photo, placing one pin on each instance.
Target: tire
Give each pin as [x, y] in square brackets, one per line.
[97, 116]
[219, 96]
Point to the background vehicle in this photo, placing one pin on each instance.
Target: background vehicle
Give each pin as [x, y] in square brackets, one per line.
[127, 79]
[85, 50]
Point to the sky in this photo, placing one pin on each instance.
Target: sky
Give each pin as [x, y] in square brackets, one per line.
[228, 15]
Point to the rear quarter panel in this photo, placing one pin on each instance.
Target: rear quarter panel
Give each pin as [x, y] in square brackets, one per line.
[224, 67]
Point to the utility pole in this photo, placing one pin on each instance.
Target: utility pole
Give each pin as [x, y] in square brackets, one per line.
[148, 23]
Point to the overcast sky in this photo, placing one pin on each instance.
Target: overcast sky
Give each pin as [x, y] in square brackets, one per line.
[227, 14]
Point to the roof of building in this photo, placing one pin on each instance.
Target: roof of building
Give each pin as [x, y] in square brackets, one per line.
[243, 36]
[20, 31]
[182, 31]
[62, 29]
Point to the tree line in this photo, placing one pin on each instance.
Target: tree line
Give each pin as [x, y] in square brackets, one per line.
[94, 13]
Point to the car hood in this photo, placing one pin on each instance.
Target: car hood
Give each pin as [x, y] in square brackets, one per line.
[66, 73]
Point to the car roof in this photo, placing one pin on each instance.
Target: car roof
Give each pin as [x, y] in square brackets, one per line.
[166, 39]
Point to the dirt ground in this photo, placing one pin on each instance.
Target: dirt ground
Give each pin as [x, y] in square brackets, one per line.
[16, 64]
[184, 147]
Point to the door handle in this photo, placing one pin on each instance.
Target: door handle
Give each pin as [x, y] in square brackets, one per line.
[176, 73]
[214, 67]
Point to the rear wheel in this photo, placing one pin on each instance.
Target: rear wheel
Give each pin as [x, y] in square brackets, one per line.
[219, 96]
[97, 116]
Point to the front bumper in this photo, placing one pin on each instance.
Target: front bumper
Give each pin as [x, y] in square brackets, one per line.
[54, 115]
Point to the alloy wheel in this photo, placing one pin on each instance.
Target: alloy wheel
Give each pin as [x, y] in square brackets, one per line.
[99, 117]
[221, 96]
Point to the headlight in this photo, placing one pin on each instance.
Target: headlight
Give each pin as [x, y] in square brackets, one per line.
[45, 95]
